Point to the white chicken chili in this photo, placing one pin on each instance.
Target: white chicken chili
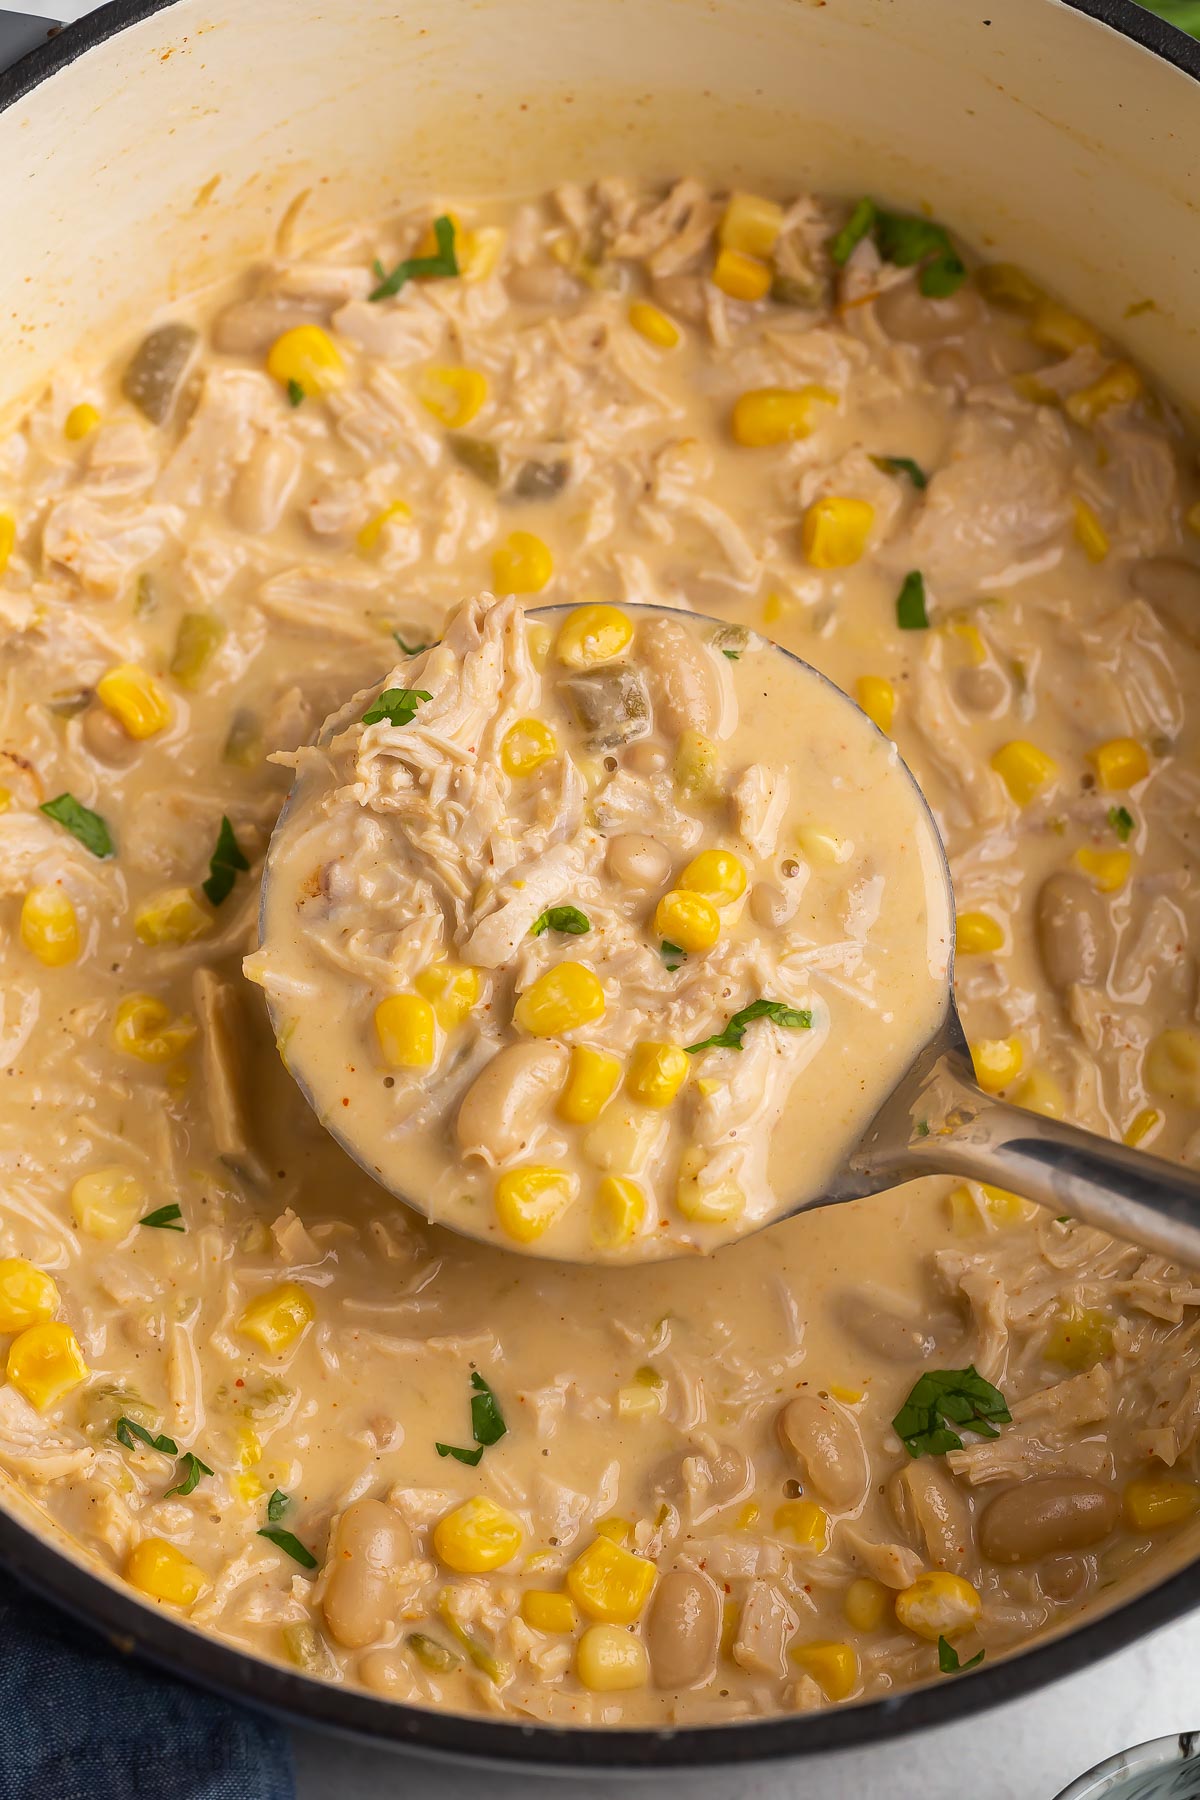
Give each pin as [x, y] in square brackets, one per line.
[549, 920]
[855, 1451]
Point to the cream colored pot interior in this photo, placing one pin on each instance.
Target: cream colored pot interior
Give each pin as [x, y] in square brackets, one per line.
[179, 143]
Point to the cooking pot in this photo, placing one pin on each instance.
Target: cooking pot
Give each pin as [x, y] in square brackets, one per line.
[153, 145]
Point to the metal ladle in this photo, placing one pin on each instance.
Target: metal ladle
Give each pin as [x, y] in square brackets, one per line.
[938, 1121]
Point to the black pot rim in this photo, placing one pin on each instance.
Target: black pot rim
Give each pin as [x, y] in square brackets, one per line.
[159, 1637]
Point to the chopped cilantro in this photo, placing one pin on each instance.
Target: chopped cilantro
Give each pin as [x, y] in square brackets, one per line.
[277, 1505]
[190, 1470]
[397, 705]
[905, 240]
[409, 649]
[567, 919]
[902, 465]
[128, 1430]
[948, 1661]
[444, 263]
[487, 1424]
[673, 957]
[1121, 820]
[291, 1546]
[226, 862]
[731, 1037]
[733, 655]
[910, 603]
[853, 231]
[81, 822]
[295, 392]
[470, 1457]
[944, 1397]
[164, 1218]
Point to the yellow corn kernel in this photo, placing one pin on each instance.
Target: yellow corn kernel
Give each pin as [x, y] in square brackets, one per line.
[1024, 769]
[530, 1200]
[161, 1570]
[655, 326]
[45, 1363]
[309, 357]
[714, 1203]
[478, 252]
[997, 1062]
[618, 1212]
[135, 700]
[1054, 328]
[748, 1516]
[610, 1660]
[406, 1027]
[1119, 385]
[656, 1072]
[1172, 1066]
[28, 1296]
[687, 919]
[1090, 533]
[107, 1203]
[938, 1605]
[835, 530]
[593, 634]
[522, 564]
[277, 1318]
[248, 1489]
[638, 1402]
[1107, 869]
[5, 799]
[8, 539]
[1144, 1127]
[741, 277]
[1079, 1339]
[561, 999]
[820, 844]
[616, 1530]
[1154, 1501]
[1004, 284]
[778, 415]
[849, 1396]
[451, 988]
[609, 1582]
[81, 421]
[865, 1604]
[877, 697]
[1119, 763]
[454, 395]
[175, 916]
[526, 746]
[368, 538]
[547, 1611]
[592, 1080]
[717, 874]
[249, 1447]
[807, 1522]
[1040, 1093]
[978, 934]
[143, 1027]
[834, 1667]
[49, 926]
[750, 224]
[477, 1537]
[697, 767]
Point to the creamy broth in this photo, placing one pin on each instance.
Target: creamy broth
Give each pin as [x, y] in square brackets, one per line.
[508, 916]
[956, 501]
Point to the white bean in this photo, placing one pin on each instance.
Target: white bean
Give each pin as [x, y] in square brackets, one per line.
[505, 1103]
[370, 1542]
[638, 861]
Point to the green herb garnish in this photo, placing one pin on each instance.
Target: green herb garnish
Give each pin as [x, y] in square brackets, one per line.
[190, 1470]
[277, 1505]
[409, 649]
[860, 222]
[1121, 820]
[902, 465]
[164, 1218]
[224, 865]
[568, 919]
[948, 1661]
[295, 392]
[397, 705]
[735, 1030]
[444, 263]
[291, 1546]
[487, 1424]
[904, 240]
[922, 1127]
[669, 951]
[733, 655]
[945, 1397]
[128, 1430]
[81, 822]
[910, 603]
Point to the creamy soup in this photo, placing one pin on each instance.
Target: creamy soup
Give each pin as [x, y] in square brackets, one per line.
[860, 1448]
[602, 934]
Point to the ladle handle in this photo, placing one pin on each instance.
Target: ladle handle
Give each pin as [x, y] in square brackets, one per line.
[1138, 1198]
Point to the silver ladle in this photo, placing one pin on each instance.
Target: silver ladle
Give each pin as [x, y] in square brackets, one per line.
[937, 1120]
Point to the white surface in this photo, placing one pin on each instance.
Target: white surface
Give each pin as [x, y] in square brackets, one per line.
[1027, 1751]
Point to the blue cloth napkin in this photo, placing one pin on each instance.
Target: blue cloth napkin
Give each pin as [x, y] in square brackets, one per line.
[80, 1722]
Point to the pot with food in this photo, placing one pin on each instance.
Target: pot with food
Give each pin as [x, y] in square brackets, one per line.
[538, 483]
